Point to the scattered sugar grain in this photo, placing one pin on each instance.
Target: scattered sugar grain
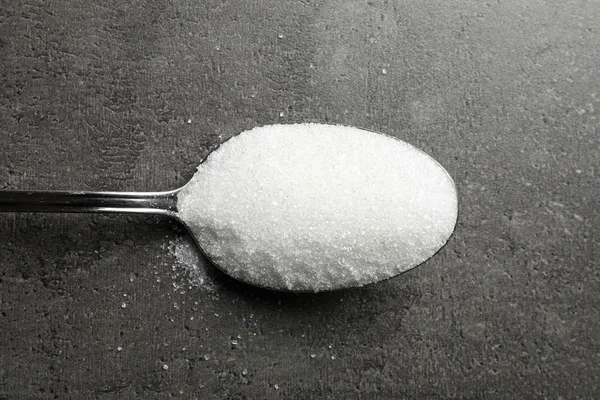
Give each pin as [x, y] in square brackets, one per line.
[315, 207]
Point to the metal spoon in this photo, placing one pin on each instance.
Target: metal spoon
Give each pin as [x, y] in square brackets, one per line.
[166, 204]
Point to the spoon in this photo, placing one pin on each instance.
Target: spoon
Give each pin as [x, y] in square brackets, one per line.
[303, 207]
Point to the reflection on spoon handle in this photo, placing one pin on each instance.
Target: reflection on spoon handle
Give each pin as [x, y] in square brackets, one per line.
[162, 203]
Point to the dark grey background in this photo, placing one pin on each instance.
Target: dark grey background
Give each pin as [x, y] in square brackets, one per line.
[504, 93]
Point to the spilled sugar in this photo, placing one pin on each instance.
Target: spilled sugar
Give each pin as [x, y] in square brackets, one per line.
[189, 271]
[314, 207]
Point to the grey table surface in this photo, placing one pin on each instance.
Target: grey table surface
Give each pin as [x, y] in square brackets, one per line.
[131, 95]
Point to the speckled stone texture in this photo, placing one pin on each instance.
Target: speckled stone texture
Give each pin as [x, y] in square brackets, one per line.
[131, 95]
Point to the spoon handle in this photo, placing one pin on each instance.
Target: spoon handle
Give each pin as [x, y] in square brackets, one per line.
[163, 203]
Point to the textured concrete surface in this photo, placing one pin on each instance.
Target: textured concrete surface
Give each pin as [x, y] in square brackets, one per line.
[132, 95]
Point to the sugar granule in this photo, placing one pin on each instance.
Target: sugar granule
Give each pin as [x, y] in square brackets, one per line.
[315, 207]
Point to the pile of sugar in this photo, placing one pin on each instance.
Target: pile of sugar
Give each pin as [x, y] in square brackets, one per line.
[314, 207]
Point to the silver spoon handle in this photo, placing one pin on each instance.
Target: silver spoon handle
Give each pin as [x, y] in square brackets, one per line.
[162, 203]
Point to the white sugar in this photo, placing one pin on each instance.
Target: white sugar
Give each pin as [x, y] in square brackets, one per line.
[189, 271]
[316, 207]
